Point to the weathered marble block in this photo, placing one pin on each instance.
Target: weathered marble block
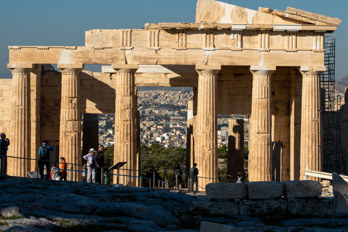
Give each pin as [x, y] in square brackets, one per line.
[302, 189]
[312, 207]
[263, 207]
[265, 190]
[340, 190]
[215, 208]
[209, 227]
[226, 191]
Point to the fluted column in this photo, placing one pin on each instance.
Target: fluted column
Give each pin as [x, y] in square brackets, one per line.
[70, 118]
[125, 148]
[206, 140]
[260, 146]
[20, 114]
[311, 150]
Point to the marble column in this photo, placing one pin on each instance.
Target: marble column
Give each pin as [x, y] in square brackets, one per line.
[311, 150]
[295, 124]
[260, 146]
[70, 118]
[125, 148]
[20, 116]
[235, 157]
[206, 140]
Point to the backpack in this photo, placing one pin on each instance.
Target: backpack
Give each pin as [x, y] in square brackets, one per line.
[91, 161]
[195, 171]
[44, 153]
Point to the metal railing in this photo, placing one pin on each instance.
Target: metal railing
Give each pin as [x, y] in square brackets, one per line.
[151, 182]
[321, 175]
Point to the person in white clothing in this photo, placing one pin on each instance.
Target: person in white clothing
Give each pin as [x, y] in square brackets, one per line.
[90, 165]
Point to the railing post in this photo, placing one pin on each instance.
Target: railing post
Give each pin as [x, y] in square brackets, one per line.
[71, 172]
[2, 164]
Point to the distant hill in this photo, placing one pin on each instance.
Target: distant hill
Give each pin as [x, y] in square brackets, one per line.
[342, 84]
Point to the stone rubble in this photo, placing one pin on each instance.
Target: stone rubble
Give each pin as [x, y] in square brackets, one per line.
[38, 206]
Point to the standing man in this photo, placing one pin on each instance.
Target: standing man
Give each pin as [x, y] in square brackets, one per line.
[99, 161]
[4, 143]
[90, 157]
[194, 177]
[44, 158]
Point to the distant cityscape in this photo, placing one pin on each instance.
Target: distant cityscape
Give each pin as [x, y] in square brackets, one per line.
[163, 119]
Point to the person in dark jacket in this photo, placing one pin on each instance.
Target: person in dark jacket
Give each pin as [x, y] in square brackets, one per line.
[194, 178]
[44, 158]
[99, 162]
[4, 143]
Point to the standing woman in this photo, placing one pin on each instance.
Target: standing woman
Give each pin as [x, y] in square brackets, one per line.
[64, 167]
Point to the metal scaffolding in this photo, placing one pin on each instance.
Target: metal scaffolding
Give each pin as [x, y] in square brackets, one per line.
[331, 115]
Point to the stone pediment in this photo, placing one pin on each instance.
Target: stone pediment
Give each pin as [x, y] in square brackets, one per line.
[212, 11]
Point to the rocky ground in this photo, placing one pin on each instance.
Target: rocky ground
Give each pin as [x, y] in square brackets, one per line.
[38, 205]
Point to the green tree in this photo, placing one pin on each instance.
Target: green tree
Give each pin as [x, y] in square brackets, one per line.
[108, 156]
[222, 151]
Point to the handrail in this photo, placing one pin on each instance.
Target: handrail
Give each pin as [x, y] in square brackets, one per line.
[72, 165]
[322, 175]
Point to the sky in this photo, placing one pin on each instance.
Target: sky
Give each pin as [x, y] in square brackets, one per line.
[64, 22]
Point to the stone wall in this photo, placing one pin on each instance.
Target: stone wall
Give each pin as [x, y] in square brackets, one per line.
[295, 198]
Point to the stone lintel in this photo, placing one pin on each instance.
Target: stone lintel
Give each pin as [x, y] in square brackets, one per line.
[232, 26]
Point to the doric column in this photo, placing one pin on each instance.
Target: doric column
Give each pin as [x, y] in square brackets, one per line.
[70, 117]
[311, 151]
[20, 141]
[189, 137]
[206, 140]
[295, 124]
[260, 146]
[125, 148]
[235, 157]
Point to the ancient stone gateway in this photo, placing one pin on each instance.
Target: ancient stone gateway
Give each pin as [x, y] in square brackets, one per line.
[263, 63]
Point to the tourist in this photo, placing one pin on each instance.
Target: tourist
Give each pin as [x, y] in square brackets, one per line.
[194, 177]
[54, 175]
[106, 176]
[90, 165]
[99, 162]
[229, 178]
[4, 143]
[178, 176]
[63, 170]
[44, 158]
[240, 178]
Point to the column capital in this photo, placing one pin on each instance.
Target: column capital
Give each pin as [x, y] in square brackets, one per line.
[20, 67]
[70, 68]
[132, 68]
[263, 70]
[312, 69]
[208, 69]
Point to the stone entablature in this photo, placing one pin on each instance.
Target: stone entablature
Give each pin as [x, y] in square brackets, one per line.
[243, 62]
